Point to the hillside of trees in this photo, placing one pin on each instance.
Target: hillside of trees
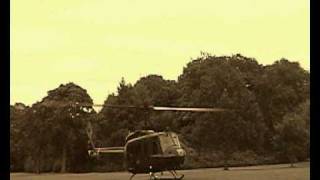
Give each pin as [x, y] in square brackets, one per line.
[271, 124]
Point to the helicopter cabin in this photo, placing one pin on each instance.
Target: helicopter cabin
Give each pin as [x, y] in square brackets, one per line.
[153, 152]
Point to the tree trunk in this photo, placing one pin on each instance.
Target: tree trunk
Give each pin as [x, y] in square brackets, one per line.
[38, 162]
[291, 157]
[226, 157]
[38, 165]
[226, 167]
[292, 161]
[64, 160]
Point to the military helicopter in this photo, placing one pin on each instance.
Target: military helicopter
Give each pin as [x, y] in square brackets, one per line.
[147, 151]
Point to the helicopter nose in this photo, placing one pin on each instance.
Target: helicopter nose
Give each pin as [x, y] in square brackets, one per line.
[181, 152]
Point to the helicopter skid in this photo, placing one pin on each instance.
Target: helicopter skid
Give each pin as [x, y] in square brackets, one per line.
[174, 176]
[169, 178]
[173, 173]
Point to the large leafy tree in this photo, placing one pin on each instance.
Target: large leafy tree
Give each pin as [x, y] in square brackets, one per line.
[279, 90]
[292, 138]
[112, 125]
[160, 92]
[150, 90]
[56, 129]
[211, 81]
[18, 114]
[282, 87]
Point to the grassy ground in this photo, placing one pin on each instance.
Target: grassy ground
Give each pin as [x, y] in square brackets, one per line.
[267, 172]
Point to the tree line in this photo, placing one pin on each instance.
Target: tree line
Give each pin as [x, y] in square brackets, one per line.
[270, 123]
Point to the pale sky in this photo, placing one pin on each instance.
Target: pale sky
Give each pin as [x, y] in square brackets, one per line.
[94, 43]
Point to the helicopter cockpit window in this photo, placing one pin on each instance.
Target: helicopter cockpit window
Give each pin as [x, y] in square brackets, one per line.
[175, 139]
[167, 140]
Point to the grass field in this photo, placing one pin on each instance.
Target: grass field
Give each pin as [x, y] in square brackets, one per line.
[266, 172]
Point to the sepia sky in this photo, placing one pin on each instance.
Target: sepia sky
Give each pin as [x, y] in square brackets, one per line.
[96, 42]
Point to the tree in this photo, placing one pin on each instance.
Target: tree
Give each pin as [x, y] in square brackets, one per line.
[18, 113]
[279, 89]
[154, 90]
[149, 90]
[56, 128]
[283, 86]
[292, 139]
[211, 81]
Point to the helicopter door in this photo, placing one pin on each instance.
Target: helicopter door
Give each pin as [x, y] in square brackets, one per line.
[135, 152]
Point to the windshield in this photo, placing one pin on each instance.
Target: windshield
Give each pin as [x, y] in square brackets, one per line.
[168, 140]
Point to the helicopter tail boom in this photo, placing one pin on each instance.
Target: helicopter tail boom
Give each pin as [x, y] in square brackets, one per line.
[105, 150]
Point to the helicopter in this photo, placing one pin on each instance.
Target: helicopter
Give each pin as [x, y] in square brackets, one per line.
[149, 152]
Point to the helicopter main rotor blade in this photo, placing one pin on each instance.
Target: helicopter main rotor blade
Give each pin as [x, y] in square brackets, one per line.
[163, 108]
[154, 108]
[160, 108]
[157, 108]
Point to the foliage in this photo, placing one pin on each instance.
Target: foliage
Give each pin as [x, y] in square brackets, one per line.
[17, 136]
[292, 139]
[269, 117]
[115, 123]
[280, 88]
[219, 82]
[55, 130]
